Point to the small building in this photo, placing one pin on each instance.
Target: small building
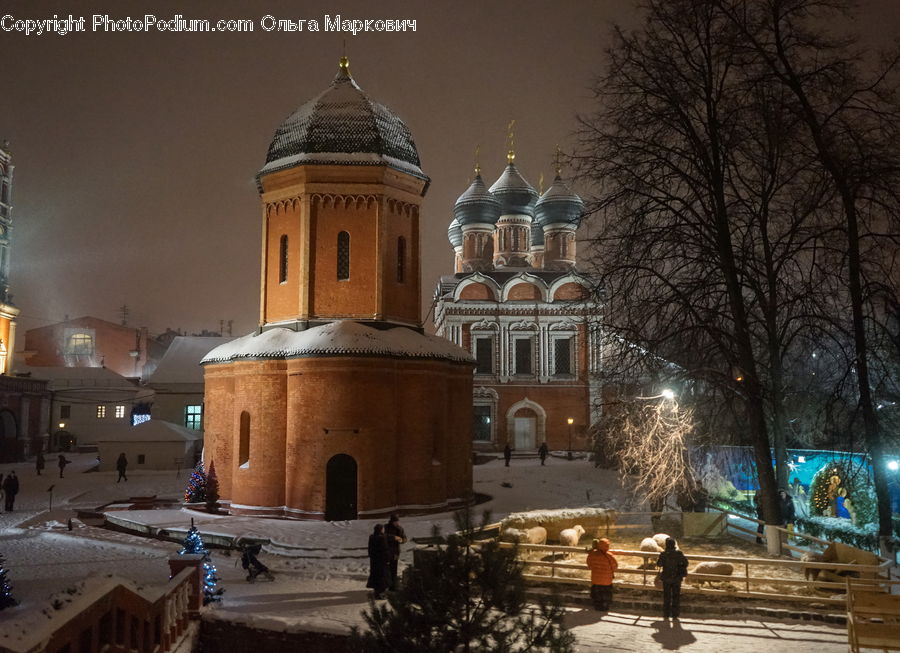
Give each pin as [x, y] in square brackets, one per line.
[177, 382]
[154, 444]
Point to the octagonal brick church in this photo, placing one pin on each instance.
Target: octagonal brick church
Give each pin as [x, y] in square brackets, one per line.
[339, 406]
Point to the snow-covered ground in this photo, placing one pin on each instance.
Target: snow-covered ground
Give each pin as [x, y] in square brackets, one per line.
[321, 569]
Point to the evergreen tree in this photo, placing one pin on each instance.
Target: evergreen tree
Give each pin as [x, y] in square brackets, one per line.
[464, 596]
[196, 488]
[6, 597]
[212, 489]
[193, 544]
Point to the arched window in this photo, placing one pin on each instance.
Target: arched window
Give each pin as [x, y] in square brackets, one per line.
[244, 448]
[283, 260]
[343, 256]
[401, 259]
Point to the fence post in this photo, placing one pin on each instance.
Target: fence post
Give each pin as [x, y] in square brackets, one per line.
[773, 540]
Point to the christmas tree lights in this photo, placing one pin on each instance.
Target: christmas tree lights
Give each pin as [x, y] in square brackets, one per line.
[6, 597]
[193, 544]
[196, 488]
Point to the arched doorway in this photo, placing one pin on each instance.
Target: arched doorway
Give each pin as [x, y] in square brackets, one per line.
[340, 488]
[525, 425]
[9, 444]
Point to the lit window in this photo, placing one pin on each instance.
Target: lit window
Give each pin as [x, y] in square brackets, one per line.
[343, 256]
[80, 344]
[523, 355]
[120, 412]
[283, 260]
[101, 411]
[401, 259]
[562, 356]
[484, 355]
[193, 416]
[482, 415]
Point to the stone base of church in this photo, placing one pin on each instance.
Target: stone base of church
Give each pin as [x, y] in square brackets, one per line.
[286, 512]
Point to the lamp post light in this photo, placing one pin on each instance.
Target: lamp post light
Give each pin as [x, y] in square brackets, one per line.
[570, 421]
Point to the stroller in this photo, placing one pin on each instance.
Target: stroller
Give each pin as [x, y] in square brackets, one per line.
[251, 563]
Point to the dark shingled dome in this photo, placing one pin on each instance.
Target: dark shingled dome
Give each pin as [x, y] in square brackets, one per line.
[343, 126]
[516, 196]
[476, 205]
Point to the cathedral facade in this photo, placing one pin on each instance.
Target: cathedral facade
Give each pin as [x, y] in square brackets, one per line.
[339, 406]
[518, 304]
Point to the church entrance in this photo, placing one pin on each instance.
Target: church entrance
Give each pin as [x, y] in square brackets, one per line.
[340, 488]
[525, 431]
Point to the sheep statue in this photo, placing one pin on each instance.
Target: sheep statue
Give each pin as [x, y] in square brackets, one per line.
[570, 536]
[713, 569]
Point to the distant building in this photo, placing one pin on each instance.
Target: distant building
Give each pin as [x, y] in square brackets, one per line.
[154, 444]
[177, 382]
[517, 303]
[92, 342]
[8, 312]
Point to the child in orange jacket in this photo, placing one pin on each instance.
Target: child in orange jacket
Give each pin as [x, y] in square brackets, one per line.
[603, 566]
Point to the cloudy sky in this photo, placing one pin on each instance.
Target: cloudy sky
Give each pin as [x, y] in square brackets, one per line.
[135, 153]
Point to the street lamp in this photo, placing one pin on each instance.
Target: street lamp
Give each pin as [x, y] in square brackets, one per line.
[570, 421]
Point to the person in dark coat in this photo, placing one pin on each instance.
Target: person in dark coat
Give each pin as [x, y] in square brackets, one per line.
[63, 461]
[39, 462]
[121, 467]
[378, 562]
[10, 490]
[395, 535]
[673, 568]
[542, 452]
[701, 497]
[507, 454]
[251, 563]
[788, 512]
[761, 527]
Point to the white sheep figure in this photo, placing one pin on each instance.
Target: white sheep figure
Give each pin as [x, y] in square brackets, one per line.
[713, 568]
[660, 539]
[513, 535]
[649, 545]
[570, 536]
[535, 535]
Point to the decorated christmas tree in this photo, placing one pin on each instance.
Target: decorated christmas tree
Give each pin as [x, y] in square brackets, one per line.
[196, 488]
[193, 544]
[6, 597]
[212, 489]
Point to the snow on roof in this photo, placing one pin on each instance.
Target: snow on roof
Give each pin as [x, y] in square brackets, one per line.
[181, 362]
[153, 430]
[338, 338]
[75, 376]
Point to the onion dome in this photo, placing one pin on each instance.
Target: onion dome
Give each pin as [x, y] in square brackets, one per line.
[559, 205]
[455, 234]
[343, 126]
[476, 205]
[516, 196]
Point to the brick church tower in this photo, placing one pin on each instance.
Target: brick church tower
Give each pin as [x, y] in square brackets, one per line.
[8, 312]
[339, 406]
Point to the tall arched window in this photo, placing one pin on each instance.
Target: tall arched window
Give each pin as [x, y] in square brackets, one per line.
[283, 260]
[343, 256]
[244, 448]
[401, 259]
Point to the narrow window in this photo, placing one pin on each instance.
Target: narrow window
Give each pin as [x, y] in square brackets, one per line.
[4, 195]
[523, 355]
[142, 458]
[562, 356]
[101, 412]
[65, 411]
[244, 449]
[192, 416]
[120, 412]
[482, 416]
[401, 259]
[283, 260]
[484, 355]
[343, 256]
[515, 239]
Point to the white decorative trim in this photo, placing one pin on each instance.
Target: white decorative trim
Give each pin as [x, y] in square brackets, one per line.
[483, 392]
[484, 325]
[523, 325]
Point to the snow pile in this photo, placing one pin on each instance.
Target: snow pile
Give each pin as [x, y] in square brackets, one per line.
[595, 521]
[338, 338]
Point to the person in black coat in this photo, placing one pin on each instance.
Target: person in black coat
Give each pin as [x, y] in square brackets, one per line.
[251, 563]
[121, 467]
[542, 452]
[507, 454]
[396, 536]
[63, 461]
[788, 512]
[673, 568]
[39, 462]
[379, 557]
[10, 490]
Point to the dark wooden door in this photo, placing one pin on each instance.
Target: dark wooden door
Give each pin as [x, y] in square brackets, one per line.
[340, 488]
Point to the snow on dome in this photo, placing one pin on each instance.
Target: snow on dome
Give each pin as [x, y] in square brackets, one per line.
[559, 205]
[343, 126]
[476, 205]
[339, 338]
[454, 233]
[516, 196]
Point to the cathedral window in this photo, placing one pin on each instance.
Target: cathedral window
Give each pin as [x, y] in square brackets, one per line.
[523, 356]
[562, 357]
[343, 256]
[483, 418]
[244, 448]
[192, 416]
[283, 260]
[4, 193]
[515, 244]
[401, 259]
[484, 355]
[563, 247]
[80, 343]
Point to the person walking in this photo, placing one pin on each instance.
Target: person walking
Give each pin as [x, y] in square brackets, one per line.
[673, 568]
[39, 462]
[378, 562]
[542, 452]
[121, 467]
[63, 461]
[396, 536]
[251, 563]
[507, 454]
[10, 490]
[603, 565]
[761, 526]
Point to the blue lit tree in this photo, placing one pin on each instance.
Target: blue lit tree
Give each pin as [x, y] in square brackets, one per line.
[196, 488]
[194, 545]
[6, 597]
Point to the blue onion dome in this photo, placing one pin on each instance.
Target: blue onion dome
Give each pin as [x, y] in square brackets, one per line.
[537, 235]
[516, 196]
[455, 234]
[343, 126]
[559, 205]
[476, 205]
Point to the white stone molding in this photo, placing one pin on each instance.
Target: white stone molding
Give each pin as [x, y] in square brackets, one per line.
[540, 427]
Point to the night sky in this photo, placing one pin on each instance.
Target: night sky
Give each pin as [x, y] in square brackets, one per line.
[136, 153]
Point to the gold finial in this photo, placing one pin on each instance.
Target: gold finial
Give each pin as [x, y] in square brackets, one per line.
[345, 64]
[511, 141]
[541, 184]
[477, 164]
[558, 166]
